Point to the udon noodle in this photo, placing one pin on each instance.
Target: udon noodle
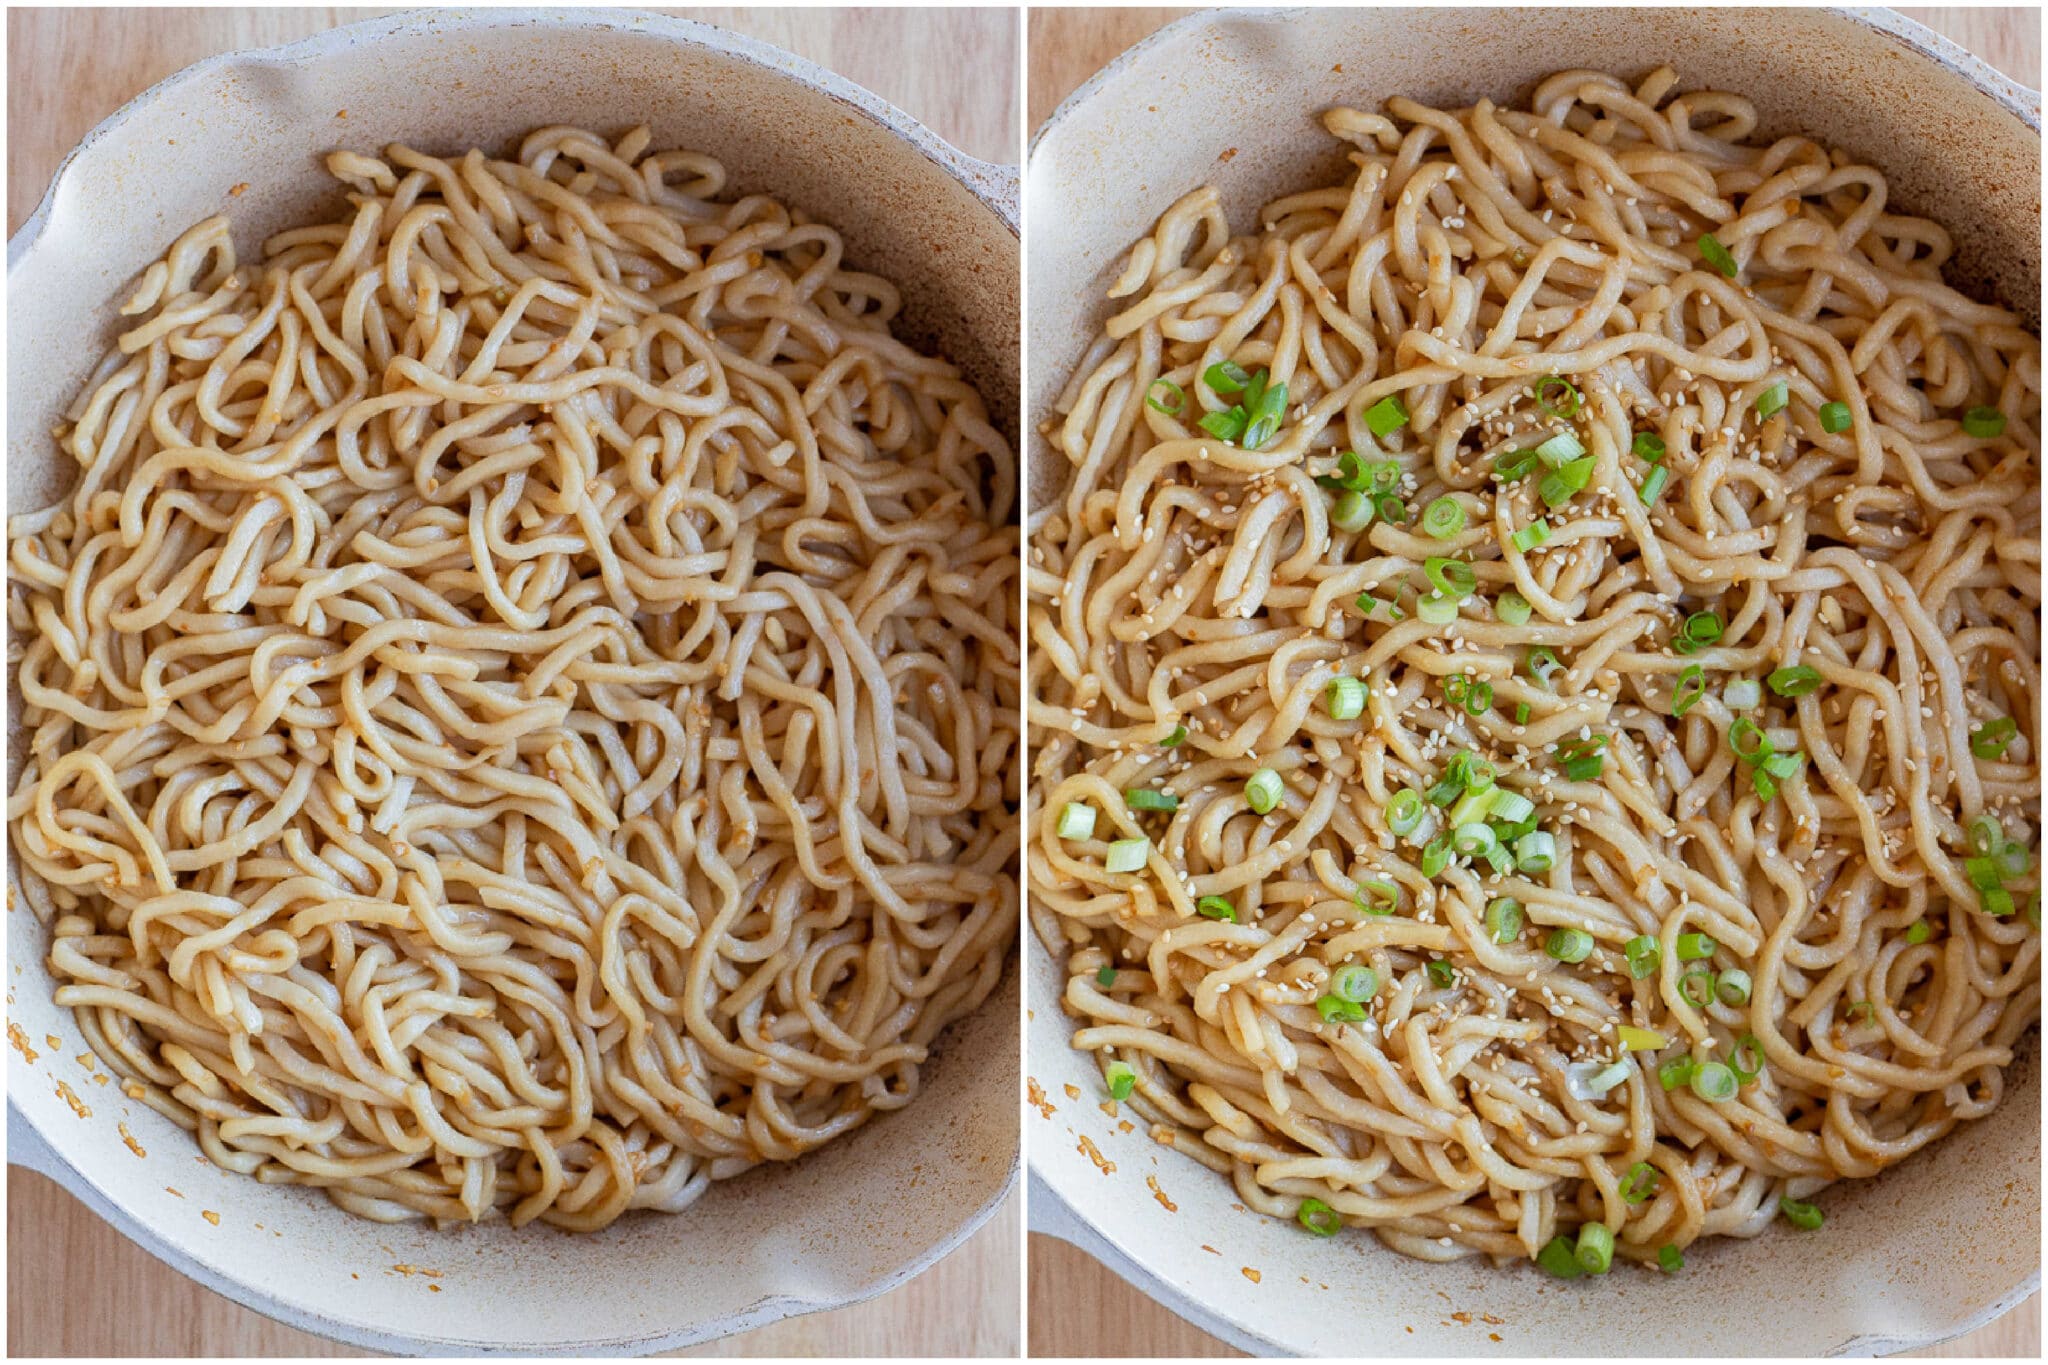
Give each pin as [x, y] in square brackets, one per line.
[1652, 870]
[520, 708]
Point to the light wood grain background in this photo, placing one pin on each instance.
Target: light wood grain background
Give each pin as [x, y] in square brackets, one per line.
[953, 70]
[1075, 1307]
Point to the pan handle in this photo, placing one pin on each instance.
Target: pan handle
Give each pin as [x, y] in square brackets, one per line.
[1051, 1215]
[25, 1147]
[998, 186]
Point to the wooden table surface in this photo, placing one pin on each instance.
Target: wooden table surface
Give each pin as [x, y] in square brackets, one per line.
[1075, 1307]
[954, 71]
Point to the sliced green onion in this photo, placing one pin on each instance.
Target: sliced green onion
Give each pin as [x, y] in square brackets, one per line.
[1556, 396]
[1536, 852]
[1173, 739]
[1226, 378]
[1217, 907]
[1987, 833]
[1226, 425]
[1733, 986]
[1983, 871]
[1510, 807]
[1387, 416]
[1514, 464]
[1474, 840]
[1692, 685]
[1674, 1072]
[1437, 609]
[1531, 537]
[1344, 698]
[1560, 1258]
[1453, 578]
[1105, 976]
[1264, 413]
[1141, 798]
[1353, 472]
[1670, 1259]
[1743, 694]
[1746, 1058]
[1319, 1218]
[1436, 857]
[1391, 509]
[1748, 740]
[1717, 255]
[1076, 821]
[1542, 661]
[1351, 511]
[1444, 517]
[1714, 1083]
[1513, 608]
[1521, 713]
[1386, 475]
[1127, 855]
[1504, 919]
[1995, 901]
[1640, 1183]
[1988, 741]
[1800, 1215]
[1835, 417]
[1795, 681]
[1122, 1080]
[1595, 1251]
[1562, 484]
[1694, 947]
[1560, 449]
[1263, 789]
[1442, 974]
[1581, 759]
[1169, 390]
[1773, 399]
[1643, 953]
[1696, 987]
[1569, 945]
[1384, 899]
[1405, 811]
[1703, 627]
[1653, 486]
[1648, 445]
[2015, 860]
[1355, 983]
[1635, 1039]
[1983, 423]
[1335, 1009]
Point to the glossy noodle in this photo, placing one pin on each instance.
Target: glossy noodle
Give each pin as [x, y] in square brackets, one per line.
[518, 714]
[1427, 872]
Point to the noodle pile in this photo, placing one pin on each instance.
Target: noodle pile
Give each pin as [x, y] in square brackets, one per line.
[1503, 1077]
[521, 706]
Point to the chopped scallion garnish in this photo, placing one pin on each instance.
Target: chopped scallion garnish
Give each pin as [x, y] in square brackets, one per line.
[1387, 416]
[1262, 790]
[1984, 423]
[1166, 396]
[1076, 821]
[1344, 698]
[1717, 255]
[1444, 517]
[1127, 855]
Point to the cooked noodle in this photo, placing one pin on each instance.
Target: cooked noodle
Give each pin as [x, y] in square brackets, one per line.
[1176, 579]
[520, 708]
